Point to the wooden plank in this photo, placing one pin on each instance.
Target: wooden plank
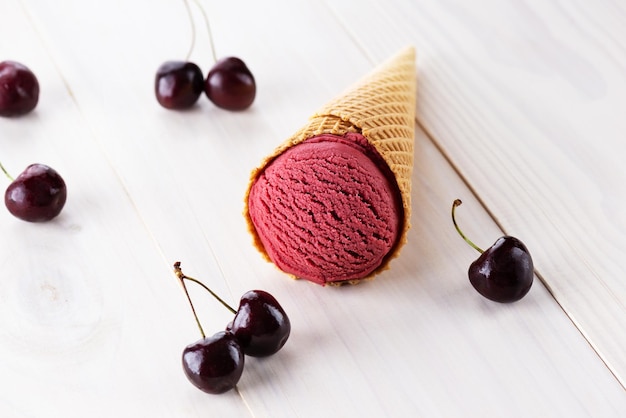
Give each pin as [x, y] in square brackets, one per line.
[525, 99]
[416, 341]
[81, 319]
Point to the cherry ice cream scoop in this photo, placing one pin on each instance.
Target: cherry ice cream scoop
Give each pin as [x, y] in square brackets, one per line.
[328, 209]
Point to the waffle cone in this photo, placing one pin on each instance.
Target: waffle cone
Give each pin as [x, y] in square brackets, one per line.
[381, 107]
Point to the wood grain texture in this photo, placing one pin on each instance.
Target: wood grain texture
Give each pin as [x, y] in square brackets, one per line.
[525, 99]
[92, 321]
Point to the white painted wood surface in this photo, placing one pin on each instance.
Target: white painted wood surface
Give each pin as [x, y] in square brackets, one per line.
[522, 102]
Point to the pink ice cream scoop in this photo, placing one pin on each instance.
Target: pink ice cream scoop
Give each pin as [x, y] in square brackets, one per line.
[328, 209]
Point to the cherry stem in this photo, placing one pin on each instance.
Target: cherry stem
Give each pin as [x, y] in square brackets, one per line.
[182, 277]
[456, 203]
[193, 28]
[6, 173]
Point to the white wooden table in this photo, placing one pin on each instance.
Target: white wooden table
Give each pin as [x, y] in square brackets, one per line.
[520, 113]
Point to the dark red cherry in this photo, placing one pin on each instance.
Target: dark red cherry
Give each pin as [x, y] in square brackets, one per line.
[215, 364]
[502, 273]
[19, 89]
[230, 84]
[178, 84]
[260, 325]
[38, 194]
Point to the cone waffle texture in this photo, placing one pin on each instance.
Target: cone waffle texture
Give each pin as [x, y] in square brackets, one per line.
[381, 106]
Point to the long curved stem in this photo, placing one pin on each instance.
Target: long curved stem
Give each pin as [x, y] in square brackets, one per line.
[181, 278]
[179, 273]
[220, 300]
[6, 173]
[193, 29]
[456, 203]
[208, 29]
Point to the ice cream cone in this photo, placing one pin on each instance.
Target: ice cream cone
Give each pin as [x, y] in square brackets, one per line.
[381, 107]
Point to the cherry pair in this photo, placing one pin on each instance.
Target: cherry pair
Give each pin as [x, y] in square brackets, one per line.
[260, 328]
[229, 85]
[39, 192]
